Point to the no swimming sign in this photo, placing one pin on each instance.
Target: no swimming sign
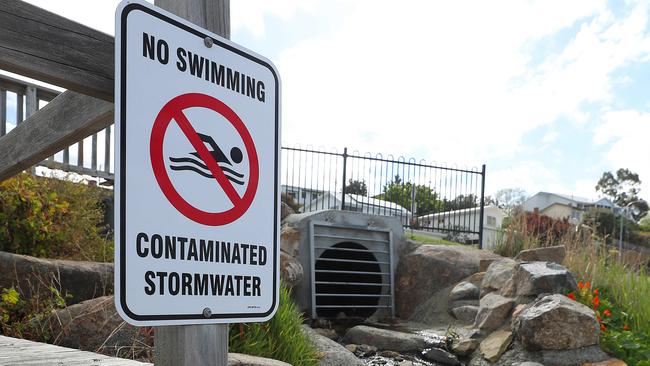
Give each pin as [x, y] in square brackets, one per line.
[197, 185]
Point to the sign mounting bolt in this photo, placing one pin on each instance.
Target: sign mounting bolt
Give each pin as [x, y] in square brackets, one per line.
[208, 42]
[207, 312]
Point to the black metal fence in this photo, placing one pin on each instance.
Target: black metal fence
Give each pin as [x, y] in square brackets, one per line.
[438, 199]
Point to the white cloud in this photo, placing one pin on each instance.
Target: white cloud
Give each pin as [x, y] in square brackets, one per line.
[626, 134]
[252, 14]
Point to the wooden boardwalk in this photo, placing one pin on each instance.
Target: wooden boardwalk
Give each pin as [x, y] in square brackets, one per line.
[15, 352]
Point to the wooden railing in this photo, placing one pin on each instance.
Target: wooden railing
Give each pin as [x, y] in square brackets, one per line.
[27, 99]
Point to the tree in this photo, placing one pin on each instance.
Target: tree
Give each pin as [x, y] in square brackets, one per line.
[510, 199]
[461, 202]
[401, 193]
[357, 187]
[623, 189]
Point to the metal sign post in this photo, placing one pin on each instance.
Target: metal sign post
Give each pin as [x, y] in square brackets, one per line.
[197, 167]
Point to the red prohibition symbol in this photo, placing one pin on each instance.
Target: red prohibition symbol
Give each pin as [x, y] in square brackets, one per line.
[173, 110]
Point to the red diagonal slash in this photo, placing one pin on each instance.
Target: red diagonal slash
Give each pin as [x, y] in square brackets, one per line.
[203, 152]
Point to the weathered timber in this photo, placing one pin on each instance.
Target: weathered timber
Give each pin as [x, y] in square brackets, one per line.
[23, 352]
[64, 121]
[48, 47]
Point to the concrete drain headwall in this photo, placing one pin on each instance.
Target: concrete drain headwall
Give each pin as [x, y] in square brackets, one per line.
[349, 261]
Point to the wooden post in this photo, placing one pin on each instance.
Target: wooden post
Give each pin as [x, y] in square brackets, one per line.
[189, 345]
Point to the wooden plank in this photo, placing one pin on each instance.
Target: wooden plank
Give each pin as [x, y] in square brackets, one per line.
[19, 107]
[107, 149]
[3, 112]
[64, 121]
[18, 86]
[54, 49]
[23, 352]
[195, 344]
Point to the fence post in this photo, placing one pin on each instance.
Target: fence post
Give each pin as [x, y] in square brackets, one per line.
[345, 163]
[195, 345]
[480, 232]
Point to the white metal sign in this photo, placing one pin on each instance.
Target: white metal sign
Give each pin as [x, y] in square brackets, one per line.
[197, 121]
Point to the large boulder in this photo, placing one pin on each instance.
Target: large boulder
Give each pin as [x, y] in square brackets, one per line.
[553, 254]
[495, 345]
[330, 352]
[290, 269]
[384, 339]
[535, 278]
[430, 268]
[497, 275]
[285, 210]
[441, 356]
[556, 322]
[494, 309]
[82, 280]
[238, 359]
[464, 291]
[94, 325]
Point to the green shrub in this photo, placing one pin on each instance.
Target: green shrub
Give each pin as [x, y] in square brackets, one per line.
[280, 338]
[53, 218]
[22, 317]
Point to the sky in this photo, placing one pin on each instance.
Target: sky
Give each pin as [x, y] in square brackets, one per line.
[548, 94]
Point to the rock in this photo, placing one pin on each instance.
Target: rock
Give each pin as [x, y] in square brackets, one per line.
[351, 347]
[405, 363]
[441, 356]
[327, 332]
[517, 311]
[528, 363]
[553, 254]
[483, 264]
[389, 354]
[495, 345]
[497, 274]
[556, 322]
[534, 278]
[493, 311]
[290, 269]
[290, 240]
[466, 313]
[332, 353]
[415, 283]
[94, 325]
[384, 339]
[464, 291]
[364, 350]
[610, 362]
[476, 278]
[516, 354]
[285, 210]
[464, 346]
[238, 359]
[83, 280]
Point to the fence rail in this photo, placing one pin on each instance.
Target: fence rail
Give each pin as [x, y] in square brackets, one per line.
[436, 198]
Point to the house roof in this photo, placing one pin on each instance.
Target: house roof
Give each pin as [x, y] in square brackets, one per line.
[357, 199]
[459, 212]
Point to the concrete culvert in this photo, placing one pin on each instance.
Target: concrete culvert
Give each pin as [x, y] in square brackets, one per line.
[348, 281]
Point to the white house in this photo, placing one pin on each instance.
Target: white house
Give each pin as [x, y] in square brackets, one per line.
[358, 203]
[560, 206]
[467, 219]
[300, 194]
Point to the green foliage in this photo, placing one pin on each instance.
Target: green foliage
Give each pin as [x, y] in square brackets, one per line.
[426, 199]
[22, 317]
[631, 347]
[53, 218]
[623, 189]
[460, 202]
[608, 225]
[280, 338]
[357, 187]
[422, 239]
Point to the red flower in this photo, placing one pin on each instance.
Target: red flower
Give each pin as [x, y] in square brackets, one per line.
[602, 327]
[607, 312]
[581, 285]
[595, 291]
[588, 284]
[598, 318]
[626, 327]
[571, 296]
[596, 302]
